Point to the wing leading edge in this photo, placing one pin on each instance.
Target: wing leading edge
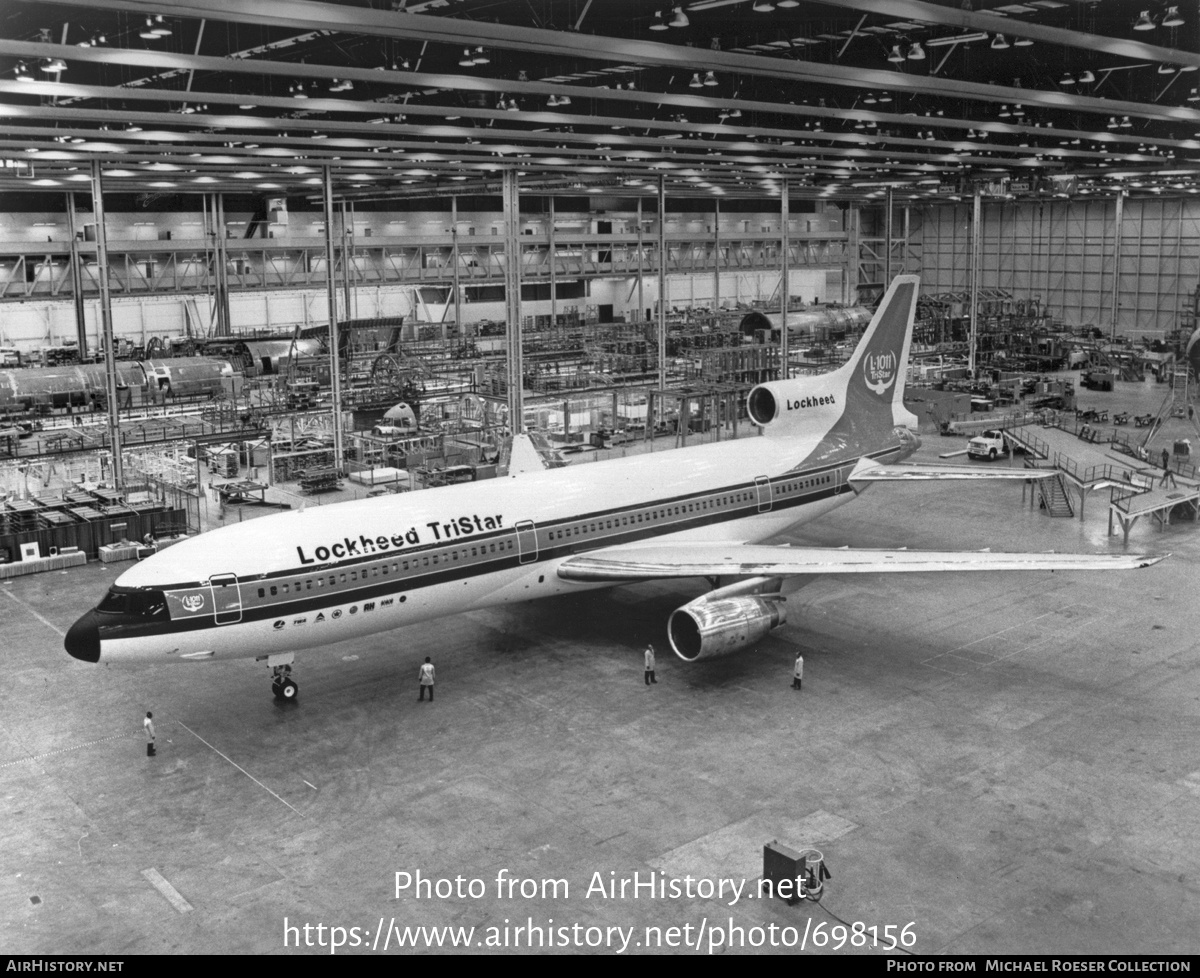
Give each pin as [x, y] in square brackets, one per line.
[618, 564]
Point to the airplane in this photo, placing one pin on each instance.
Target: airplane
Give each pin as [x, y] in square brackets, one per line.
[305, 579]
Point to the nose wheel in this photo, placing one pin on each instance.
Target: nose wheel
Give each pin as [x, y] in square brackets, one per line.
[282, 684]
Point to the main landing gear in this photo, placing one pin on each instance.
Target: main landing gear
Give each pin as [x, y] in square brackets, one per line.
[282, 684]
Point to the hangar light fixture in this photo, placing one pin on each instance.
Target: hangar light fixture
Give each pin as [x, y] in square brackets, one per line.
[659, 23]
[1000, 43]
[1172, 19]
[679, 18]
[1144, 23]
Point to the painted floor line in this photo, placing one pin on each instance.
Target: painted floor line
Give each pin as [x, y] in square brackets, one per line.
[49, 624]
[238, 766]
[174, 897]
[984, 638]
[65, 750]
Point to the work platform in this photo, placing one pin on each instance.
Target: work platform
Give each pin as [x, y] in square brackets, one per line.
[1128, 508]
[1085, 466]
[1137, 488]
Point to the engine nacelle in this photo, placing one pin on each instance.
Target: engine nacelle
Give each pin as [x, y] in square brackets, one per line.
[707, 627]
[812, 400]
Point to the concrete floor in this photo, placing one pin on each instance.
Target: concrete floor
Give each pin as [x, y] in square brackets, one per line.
[1009, 763]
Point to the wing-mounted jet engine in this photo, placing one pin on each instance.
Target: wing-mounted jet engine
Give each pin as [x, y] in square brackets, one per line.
[727, 620]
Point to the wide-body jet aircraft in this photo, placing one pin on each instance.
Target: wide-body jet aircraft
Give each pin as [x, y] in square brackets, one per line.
[306, 579]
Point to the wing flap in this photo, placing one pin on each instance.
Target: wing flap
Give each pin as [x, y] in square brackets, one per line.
[618, 564]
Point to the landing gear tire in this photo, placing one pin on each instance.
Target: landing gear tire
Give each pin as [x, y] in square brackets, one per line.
[282, 684]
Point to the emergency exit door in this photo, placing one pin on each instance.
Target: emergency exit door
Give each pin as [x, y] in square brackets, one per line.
[227, 598]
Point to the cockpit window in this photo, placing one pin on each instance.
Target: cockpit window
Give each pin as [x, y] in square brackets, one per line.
[114, 603]
[138, 603]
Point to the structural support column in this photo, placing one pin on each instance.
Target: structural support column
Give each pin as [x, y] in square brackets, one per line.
[1116, 287]
[553, 270]
[335, 366]
[512, 302]
[454, 260]
[976, 238]
[641, 263]
[853, 257]
[77, 278]
[717, 255]
[106, 330]
[347, 262]
[662, 282]
[221, 267]
[785, 210]
[887, 242]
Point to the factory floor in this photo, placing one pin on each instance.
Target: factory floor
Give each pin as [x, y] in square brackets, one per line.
[989, 763]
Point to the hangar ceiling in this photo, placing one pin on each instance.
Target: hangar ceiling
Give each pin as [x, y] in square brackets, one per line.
[843, 99]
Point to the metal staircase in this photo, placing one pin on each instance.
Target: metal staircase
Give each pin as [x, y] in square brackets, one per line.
[1175, 404]
[1056, 501]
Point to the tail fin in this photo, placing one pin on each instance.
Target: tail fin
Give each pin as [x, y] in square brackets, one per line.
[876, 370]
[863, 400]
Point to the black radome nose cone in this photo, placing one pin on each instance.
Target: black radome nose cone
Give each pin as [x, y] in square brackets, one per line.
[83, 639]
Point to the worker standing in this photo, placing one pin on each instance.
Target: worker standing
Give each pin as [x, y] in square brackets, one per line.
[426, 679]
[798, 672]
[148, 726]
[650, 677]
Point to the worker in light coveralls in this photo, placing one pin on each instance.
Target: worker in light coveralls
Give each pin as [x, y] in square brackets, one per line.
[425, 676]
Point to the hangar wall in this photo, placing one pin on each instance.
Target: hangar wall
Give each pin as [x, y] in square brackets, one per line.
[161, 264]
[1062, 251]
[50, 322]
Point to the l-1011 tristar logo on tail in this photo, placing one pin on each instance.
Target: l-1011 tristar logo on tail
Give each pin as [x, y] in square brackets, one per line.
[879, 371]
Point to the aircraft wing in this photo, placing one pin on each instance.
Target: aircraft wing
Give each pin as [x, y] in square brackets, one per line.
[875, 472]
[617, 564]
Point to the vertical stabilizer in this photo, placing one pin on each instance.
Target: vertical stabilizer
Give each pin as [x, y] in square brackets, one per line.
[863, 400]
[875, 373]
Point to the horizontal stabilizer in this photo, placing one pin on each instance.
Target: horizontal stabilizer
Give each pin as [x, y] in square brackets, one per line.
[872, 472]
[617, 564]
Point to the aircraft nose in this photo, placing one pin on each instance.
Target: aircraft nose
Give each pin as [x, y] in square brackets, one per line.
[83, 639]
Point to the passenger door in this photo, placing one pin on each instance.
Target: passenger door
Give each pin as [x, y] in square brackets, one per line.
[763, 485]
[227, 598]
[527, 544]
